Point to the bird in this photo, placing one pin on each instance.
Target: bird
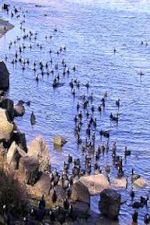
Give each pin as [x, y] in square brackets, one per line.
[32, 119]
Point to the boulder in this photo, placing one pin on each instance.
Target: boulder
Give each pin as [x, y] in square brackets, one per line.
[59, 141]
[13, 156]
[6, 127]
[38, 149]
[19, 109]
[29, 168]
[95, 183]
[80, 193]
[80, 209]
[140, 182]
[42, 186]
[20, 139]
[2, 152]
[109, 204]
[4, 76]
[119, 183]
[8, 104]
[61, 195]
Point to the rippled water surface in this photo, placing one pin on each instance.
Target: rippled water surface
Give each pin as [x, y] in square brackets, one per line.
[90, 30]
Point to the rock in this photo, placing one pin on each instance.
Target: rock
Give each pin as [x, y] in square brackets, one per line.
[59, 141]
[19, 110]
[80, 193]
[2, 152]
[13, 156]
[8, 104]
[140, 182]
[20, 140]
[119, 183]
[61, 195]
[95, 183]
[4, 76]
[109, 203]
[38, 149]
[42, 186]
[6, 127]
[80, 209]
[29, 168]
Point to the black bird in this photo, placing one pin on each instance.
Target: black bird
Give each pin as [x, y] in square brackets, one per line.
[135, 217]
[54, 197]
[32, 119]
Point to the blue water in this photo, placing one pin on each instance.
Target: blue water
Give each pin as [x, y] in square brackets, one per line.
[90, 30]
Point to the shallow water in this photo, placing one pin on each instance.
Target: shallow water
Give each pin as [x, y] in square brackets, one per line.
[90, 30]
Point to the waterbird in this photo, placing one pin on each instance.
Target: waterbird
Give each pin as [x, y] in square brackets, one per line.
[32, 119]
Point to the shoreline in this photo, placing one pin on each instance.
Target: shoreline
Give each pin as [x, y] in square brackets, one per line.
[5, 26]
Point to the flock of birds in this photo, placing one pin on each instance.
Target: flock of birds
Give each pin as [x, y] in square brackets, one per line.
[86, 121]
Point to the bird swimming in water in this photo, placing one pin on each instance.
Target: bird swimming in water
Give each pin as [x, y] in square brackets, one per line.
[32, 119]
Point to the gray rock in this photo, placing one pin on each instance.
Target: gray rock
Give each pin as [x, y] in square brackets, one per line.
[80, 193]
[4, 76]
[38, 149]
[29, 168]
[109, 203]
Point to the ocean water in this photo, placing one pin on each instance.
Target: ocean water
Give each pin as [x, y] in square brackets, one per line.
[90, 30]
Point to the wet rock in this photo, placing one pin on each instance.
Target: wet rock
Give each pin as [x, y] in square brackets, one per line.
[4, 74]
[140, 182]
[6, 127]
[29, 168]
[59, 141]
[109, 203]
[19, 109]
[95, 183]
[119, 183]
[80, 193]
[81, 209]
[8, 105]
[38, 149]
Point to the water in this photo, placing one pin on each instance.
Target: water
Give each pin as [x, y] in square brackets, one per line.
[90, 30]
